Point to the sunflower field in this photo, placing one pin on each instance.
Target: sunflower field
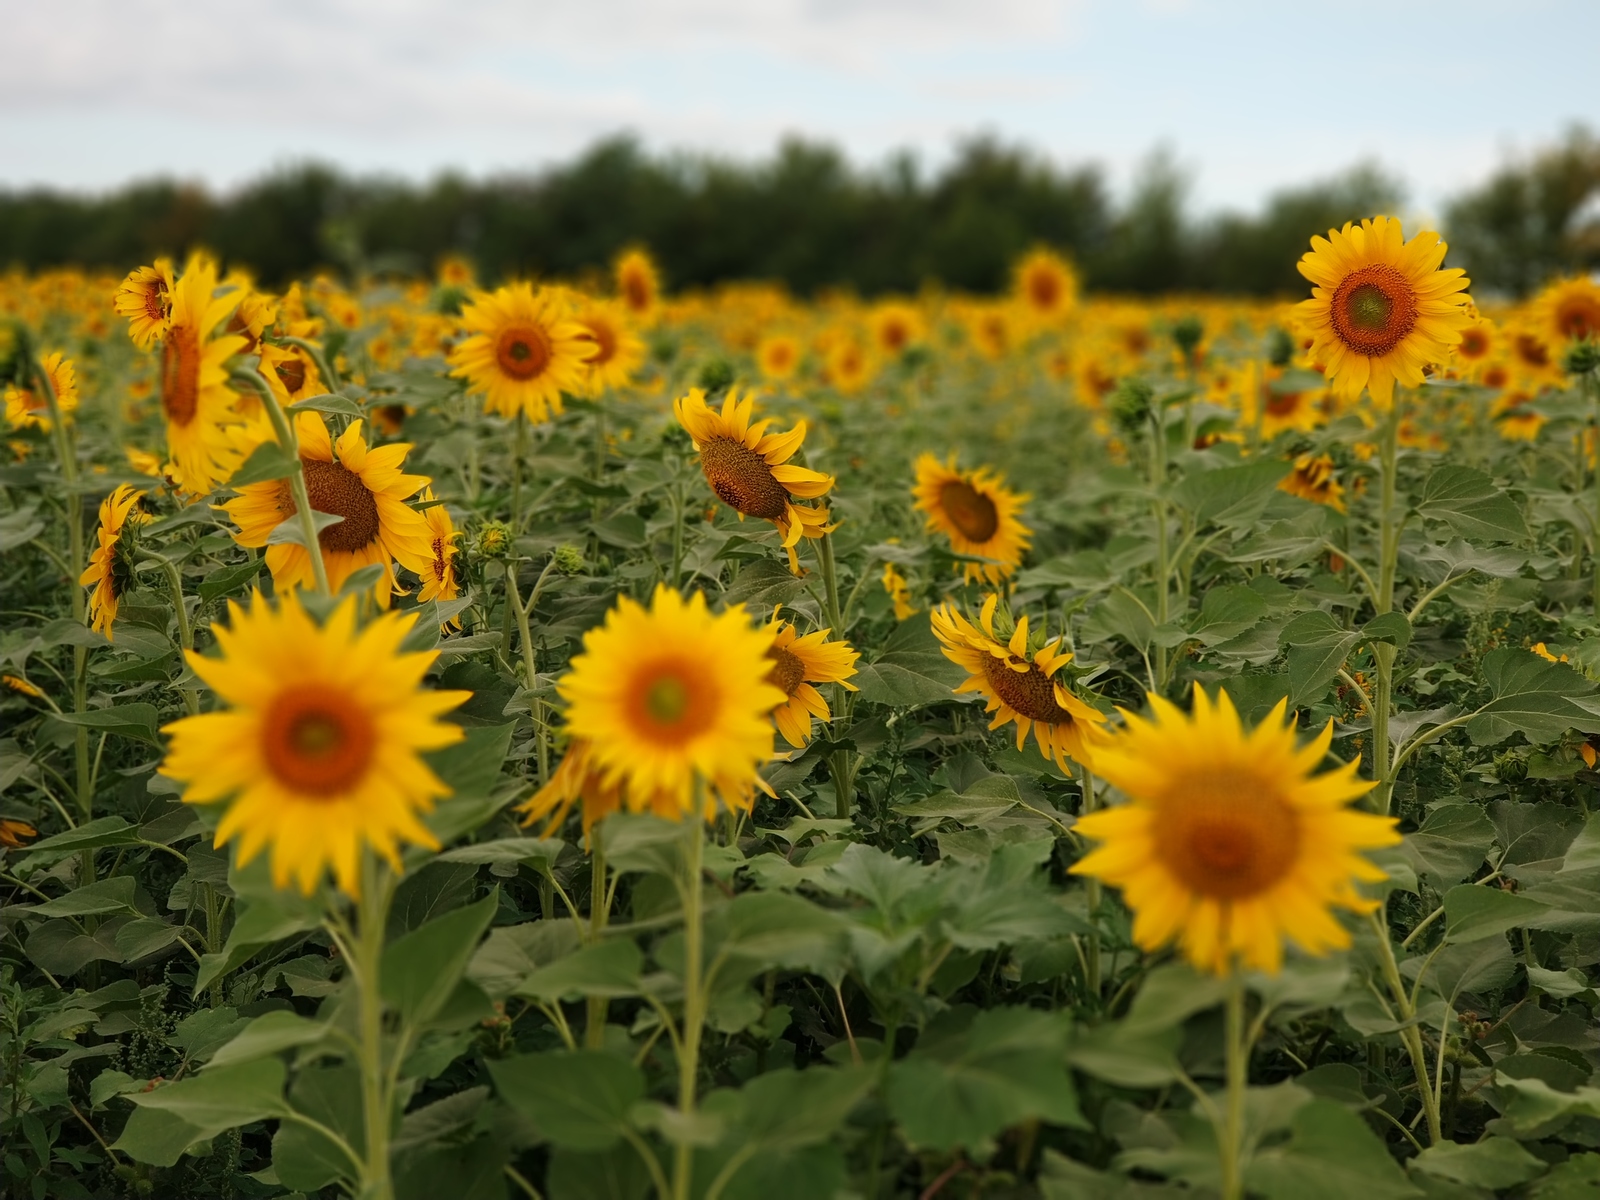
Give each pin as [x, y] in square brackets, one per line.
[588, 742]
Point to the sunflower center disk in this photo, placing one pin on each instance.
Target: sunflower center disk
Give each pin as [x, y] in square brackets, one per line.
[969, 510]
[1030, 694]
[742, 479]
[605, 339]
[1228, 837]
[788, 672]
[1045, 289]
[523, 351]
[317, 741]
[1283, 404]
[1373, 309]
[1579, 317]
[292, 374]
[671, 702]
[180, 376]
[155, 301]
[334, 488]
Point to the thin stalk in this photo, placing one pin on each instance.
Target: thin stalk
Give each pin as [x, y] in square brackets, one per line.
[283, 430]
[594, 1031]
[839, 764]
[530, 659]
[1594, 394]
[1230, 1145]
[1091, 960]
[1410, 1036]
[1158, 485]
[518, 453]
[191, 697]
[693, 1000]
[1383, 653]
[377, 1099]
[677, 535]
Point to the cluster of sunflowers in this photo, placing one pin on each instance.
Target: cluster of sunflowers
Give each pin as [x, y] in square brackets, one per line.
[398, 459]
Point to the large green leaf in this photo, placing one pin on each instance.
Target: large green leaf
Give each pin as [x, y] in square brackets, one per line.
[170, 1118]
[1472, 505]
[1331, 1154]
[579, 1100]
[422, 968]
[1530, 696]
[1472, 913]
[1495, 1162]
[911, 670]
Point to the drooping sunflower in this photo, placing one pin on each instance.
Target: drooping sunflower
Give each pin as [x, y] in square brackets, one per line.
[618, 352]
[778, 356]
[196, 400]
[977, 512]
[1045, 285]
[524, 350]
[748, 468]
[665, 696]
[145, 298]
[1230, 842]
[797, 664]
[111, 562]
[364, 485]
[28, 406]
[1569, 309]
[1019, 688]
[1313, 479]
[319, 749]
[1382, 309]
[638, 284]
[439, 580]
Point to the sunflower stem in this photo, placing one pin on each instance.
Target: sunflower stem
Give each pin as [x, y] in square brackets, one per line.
[1383, 653]
[519, 451]
[594, 1030]
[839, 764]
[530, 659]
[1158, 487]
[376, 1096]
[1230, 1144]
[283, 430]
[693, 999]
[1410, 1035]
[191, 697]
[1091, 962]
[1593, 388]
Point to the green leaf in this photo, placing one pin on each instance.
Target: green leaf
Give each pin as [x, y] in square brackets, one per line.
[267, 461]
[228, 580]
[330, 402]
[511, 953]
[207, 1104]
[1230, 495]
[1472, 505]
[579, 1100]
[1472, 913]
[270, 1033]
[761, 931]
[137, 721]
[145, 936]
[1451, 844]
[306, 1158]
[1226, 611]
[1317, 646]
[62, 948]
[261, 922]
[422, 968]
[609, 968]
[291, 532]
[1532, 1108]
[974, 1074]
[1530, 696]
[912, 669]
[786, 1110]
[541, 853]
[1331, 1154]
[576, 1175]
[1496, 1162]
[93, 899]
[1391, 627]
[102, 831]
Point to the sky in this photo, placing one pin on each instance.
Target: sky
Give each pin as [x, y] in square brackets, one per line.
[1248, 96]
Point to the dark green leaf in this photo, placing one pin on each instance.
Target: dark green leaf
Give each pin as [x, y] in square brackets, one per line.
[422, 968]
[579, 1100]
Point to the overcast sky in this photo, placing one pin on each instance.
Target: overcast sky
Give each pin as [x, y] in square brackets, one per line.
[1250, 95]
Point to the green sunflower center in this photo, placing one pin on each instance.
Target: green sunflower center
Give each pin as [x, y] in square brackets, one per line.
[671, 701]
[1369, 307]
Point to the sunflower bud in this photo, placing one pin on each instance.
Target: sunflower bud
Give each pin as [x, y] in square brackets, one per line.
[1187, 333]
[1510, 767]
[569, 559]
[494, 540]
[1583, 358]
[716, 373]
[1130, 404]
[1280, 346]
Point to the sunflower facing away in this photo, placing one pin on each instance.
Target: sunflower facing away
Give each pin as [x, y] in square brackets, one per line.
[110, 570]
[319, 749]
[659, 698]
[1381, 309]
[748, 468]
[1019, 688]
[196, 400]
[1229, 842]
[797, 664]
[977, 512]
[363, 485]
[28, 406]
[439, 580]
[523, 351]
[145, 298]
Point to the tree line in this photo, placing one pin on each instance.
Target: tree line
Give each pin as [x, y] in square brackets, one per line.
[807, 218]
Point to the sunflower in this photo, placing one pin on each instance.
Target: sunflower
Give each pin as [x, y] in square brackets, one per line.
[110, 569]
[145, 298]
[899, 591]
[896, 327]
[363, 485]
[523, 352]
[1313, 479]
[665, 696]
[1568, 309]
[977, 512]
[747, 467]
[320, 746]
[439, 580]
[1229, 842]
[291, 372]
[1284, 408]
[456, 272]
[798, 663]
[1534, 361]
[1018, 688]
[1381, 309]
[13, 834]
[25, 406]
[195, 397]
[1045, 285]
[618, 352]
[1478, 343]
[778, 356]
[848, 366]
[1512, 418]
[638, 284]
[256, 312]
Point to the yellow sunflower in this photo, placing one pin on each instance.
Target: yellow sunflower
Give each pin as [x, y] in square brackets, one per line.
[665, 696]
[798, 663]
[365, 486]
[291, 372]
[778, 356]
[439, 580]
[899, 591]
[1313, 479]
[1045, 286]
[27, 406]
[1479, 341]
[1018, 688]
[1381, 310]
[523, 352]
[896, 327]
[320, 746]
[848, 366]
[638, 284]
[977, 512]
[195, 397]
[145, 298]
[111, 562]
[14, 834]
[1569, 309]
[748, 468]
[1229, 842]
[618, 352]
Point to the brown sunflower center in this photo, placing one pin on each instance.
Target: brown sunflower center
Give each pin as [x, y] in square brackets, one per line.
[670, 701]
[636, 290]
[439, 565]
[155, 300]
[894, 335]
[1282, 404]
[604, 338]
[1474, 344]
[969, 510]
[316, 741]
[292, 374]
[1496, 377]
[335, 488]
[742, 479]
[1373, 309]
[1227, 835]
[1030, 693]
[180, 376]
[1578, 317]
[523, 351]
[1044, 289]
[787, 672]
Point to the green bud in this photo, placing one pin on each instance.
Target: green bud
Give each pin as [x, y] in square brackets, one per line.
[1280, 346]
[716, 373]
[1187, 333]
[494, 540]
[569, 559]
[1130, 404]
[1510, 767]
[1583, 358]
